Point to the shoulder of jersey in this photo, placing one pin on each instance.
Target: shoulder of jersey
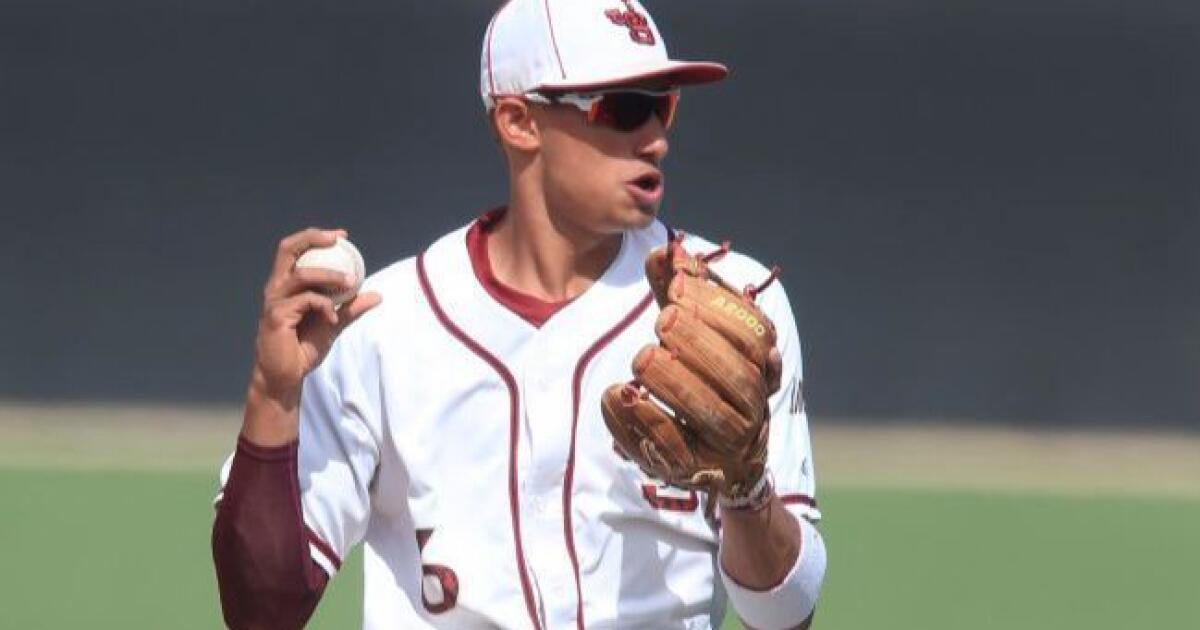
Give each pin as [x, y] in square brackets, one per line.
[397, 284]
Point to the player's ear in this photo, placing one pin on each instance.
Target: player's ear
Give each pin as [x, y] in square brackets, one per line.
[514, 124]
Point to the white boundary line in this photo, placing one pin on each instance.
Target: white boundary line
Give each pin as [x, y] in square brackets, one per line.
[849, 454]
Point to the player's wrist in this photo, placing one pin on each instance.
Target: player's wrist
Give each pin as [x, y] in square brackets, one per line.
[271, 418]
[755, 497]
[261, 390]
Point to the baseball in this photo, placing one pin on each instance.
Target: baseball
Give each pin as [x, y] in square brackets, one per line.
[342, 256]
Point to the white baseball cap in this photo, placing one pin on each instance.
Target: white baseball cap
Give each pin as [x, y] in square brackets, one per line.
[578, 46]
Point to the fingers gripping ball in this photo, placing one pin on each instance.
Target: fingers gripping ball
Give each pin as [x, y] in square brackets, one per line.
[695, 415]
[342, 256]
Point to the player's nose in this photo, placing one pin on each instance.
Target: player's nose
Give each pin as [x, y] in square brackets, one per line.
[652, 142]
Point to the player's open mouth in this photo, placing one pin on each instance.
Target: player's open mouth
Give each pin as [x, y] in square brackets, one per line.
[647, 190]
[648, 182]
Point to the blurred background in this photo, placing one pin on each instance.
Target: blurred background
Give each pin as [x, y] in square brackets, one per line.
[987, 214]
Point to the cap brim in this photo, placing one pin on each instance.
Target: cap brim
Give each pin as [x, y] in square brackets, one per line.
[669, 74]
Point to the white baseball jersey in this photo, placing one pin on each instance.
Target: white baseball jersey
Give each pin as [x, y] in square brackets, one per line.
[465, 449]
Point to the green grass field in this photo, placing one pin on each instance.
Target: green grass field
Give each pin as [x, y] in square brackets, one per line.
[106, 549]
[106, 513]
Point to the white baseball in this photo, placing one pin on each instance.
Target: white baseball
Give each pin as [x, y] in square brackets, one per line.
[342, 256]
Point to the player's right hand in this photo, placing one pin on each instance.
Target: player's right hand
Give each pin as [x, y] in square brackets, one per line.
[299, 322]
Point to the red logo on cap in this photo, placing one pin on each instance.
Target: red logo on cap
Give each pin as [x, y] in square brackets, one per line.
[638, 25]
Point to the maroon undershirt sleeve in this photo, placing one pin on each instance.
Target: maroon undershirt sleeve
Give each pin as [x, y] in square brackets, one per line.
[265, 575]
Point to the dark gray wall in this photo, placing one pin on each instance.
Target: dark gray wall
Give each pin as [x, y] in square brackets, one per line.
[984, 209]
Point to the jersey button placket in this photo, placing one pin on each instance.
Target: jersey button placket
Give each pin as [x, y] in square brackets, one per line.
[547, 394]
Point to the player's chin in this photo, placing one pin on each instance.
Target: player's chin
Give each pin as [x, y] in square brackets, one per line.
[642, 212]
[639, 216]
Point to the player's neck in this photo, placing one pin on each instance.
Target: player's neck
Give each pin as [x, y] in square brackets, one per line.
[550, 260]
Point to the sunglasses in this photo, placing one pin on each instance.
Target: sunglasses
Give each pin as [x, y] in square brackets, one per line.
[624, 110]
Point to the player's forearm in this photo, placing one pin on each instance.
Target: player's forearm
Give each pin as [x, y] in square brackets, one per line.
[265, 575]
[271, 418]
[759, 548]
[773, 566]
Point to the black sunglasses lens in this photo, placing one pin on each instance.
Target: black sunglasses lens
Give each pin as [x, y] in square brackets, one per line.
[627, 111]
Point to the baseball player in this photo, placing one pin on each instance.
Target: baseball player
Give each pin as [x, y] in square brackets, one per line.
[564, 414]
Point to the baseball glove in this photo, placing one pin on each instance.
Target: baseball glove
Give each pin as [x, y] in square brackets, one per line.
[695, 416]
